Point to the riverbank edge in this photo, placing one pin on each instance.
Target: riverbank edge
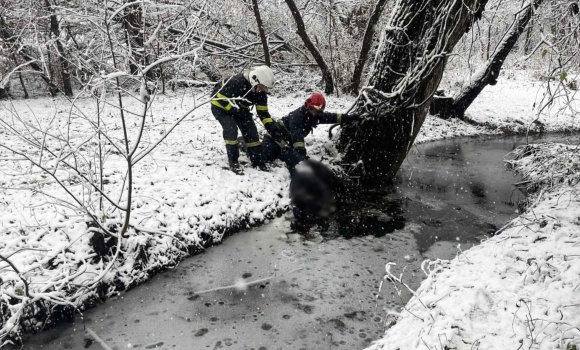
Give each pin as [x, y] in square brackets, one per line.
[52, 315]
[464, 303]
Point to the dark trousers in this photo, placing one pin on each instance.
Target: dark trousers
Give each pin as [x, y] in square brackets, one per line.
[232, 120]
[272, 151]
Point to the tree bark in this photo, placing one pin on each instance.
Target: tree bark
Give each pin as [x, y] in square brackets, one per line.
[574, 8]
[64, 64]
[49, 66]
[528, 40]
[8, 36]
[23, 85]
[366, 46]
[262, 33]
[132, 22]
[20, 78]
[489, 72]
[326, 74]
[406, 73]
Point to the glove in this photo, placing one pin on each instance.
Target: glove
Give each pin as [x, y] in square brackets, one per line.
[275, 131]
[349, 118]
[301, 151]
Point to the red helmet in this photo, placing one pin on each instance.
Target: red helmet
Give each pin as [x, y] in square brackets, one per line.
[316, 101]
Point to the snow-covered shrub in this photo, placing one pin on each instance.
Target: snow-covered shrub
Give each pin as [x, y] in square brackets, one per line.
[546, 166]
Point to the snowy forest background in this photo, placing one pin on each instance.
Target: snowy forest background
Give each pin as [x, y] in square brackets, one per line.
[91, 89]
[52, 47]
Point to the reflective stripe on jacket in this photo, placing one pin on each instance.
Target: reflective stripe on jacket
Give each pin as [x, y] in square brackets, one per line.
[300, 123]
[236, 92]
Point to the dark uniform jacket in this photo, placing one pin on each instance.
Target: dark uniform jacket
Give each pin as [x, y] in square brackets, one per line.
[300, 123]
[239, 87]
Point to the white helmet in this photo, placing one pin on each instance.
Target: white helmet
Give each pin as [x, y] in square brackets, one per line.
[262, 75]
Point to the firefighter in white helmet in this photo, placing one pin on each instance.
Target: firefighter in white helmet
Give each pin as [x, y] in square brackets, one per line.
[231, 103]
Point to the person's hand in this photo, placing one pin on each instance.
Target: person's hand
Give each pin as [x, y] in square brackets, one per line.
[301, 151]
[275, 131]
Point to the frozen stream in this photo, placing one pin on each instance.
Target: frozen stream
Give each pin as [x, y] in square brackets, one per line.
[320, 291]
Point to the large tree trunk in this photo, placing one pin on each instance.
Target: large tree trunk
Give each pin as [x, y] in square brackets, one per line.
[329, 89]
[133, 24]
[489, 72]
[8, 36]
[53, 89]
[528, 40]
[406, 73]
[262, 33]
[366, 46]
[64, 64]
[13, 56]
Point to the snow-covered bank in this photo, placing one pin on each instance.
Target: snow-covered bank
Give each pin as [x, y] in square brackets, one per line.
[505, 108]
[184, 198]
[517, 290]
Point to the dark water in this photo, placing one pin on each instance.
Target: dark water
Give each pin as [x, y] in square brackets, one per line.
[269, 288]
[454, 190]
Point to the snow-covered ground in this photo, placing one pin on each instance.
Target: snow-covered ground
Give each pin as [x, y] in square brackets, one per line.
[517, 290]
[507, 107]
[184, 197]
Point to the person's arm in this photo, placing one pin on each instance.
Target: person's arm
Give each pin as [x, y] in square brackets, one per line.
[330, 118]
[337, 118]
[261, 102]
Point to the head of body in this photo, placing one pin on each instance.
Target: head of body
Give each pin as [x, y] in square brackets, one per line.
[314, 190]
[261, 78]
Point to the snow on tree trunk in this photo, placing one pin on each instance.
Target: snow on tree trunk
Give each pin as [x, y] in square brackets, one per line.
[64, 64]
[406, 73]
[133, 24]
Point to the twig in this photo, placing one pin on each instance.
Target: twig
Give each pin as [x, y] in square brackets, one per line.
[26, 292]
[98, 339]
[248, 283]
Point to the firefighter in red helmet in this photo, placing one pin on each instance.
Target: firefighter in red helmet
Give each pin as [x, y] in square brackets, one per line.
[296, 126]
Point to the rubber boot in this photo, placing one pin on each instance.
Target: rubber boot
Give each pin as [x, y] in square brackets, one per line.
[233, 154]
[236, 169]
[242, 144]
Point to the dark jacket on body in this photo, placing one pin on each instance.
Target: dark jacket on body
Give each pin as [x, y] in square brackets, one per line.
[300, 123]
